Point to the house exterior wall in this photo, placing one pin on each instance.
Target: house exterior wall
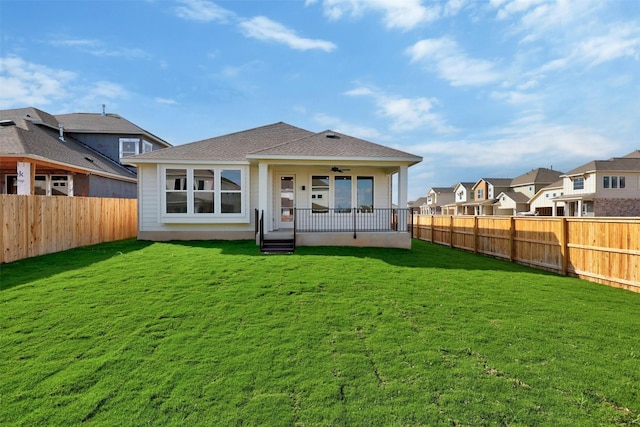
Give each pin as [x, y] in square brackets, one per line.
[152, 227]
[616, 207]
[98, 186]
[631, 190]
[589, 185]
[150, 187]
[481, 191]
[109, 144]
[544, 202]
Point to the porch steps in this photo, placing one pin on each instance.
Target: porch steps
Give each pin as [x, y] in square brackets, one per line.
[278, 246]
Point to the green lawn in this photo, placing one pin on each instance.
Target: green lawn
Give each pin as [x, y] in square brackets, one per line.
[214, 333]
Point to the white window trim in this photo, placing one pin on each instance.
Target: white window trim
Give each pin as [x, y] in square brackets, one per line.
[123, 140]
[147, 146]
[354, 193]
[204, 218]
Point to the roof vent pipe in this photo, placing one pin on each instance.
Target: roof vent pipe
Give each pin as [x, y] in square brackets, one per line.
[61, 128]
[104, 109]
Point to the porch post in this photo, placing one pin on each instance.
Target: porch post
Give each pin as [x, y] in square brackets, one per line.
[263, 185]
[402, 198]
[26, 177]
[403, 185]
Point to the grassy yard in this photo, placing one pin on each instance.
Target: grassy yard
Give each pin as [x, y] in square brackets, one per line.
[214, 333]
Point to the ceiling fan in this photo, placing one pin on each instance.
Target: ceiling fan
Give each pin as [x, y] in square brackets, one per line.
[339, 170]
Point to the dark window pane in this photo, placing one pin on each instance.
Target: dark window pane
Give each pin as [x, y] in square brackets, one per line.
[203, 202]
[176, 202]
[231, 202]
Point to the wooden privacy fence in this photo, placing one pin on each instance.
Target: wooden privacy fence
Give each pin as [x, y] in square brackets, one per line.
[603, 250]
[38, 225]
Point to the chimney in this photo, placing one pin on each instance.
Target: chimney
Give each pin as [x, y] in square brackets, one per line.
[61, 128]
[104, 109]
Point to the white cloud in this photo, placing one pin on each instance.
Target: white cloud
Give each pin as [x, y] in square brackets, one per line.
[165, 101]
[263, 28]
[25, 83]
[203, 11]
[398, 14]
[406, 114]
[528, 141]
[98, 48]
[444, 56]
[29, 84]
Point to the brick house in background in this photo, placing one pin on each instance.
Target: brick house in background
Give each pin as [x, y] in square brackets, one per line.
[603, 188]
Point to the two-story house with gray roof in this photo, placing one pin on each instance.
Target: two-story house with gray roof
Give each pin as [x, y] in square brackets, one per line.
[603, 188]
[276, 182]
[69, 154]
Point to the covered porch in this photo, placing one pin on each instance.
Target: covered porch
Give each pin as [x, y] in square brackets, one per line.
[329, 204]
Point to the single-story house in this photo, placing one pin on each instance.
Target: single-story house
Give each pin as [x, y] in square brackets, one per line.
[276, 182]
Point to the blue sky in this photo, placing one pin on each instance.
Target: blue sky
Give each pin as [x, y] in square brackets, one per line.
[478, 88]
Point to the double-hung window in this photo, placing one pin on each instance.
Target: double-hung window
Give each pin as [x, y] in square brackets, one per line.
[578, 183]
[613, 182]
[205, 194]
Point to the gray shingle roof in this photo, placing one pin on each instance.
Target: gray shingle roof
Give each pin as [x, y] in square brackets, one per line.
[516, 196]
[29, 139]
[278, 139]
[537, 176]
[99, 123]
[616, 164]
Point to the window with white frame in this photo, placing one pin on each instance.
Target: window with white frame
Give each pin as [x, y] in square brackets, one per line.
[146, 146]
[348, 193]
[614, 181]
[578, 183]
[207, 192]
[129, 147]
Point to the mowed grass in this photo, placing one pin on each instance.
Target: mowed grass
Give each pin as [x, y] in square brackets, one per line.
[215, 333]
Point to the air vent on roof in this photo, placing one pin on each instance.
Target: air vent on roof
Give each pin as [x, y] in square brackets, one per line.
[89, 159]
[7, 123]
[332, 136]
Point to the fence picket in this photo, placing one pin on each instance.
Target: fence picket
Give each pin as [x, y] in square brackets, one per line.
[38, 225]
[603, 250]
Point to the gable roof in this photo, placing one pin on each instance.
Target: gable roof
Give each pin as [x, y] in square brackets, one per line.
[28, 137]
[496, 182]
[441, 189]
[513, 195]
[275, 141]
[466, 185]
[418, 202]
[103, 123]
[615, 164]
[536, 176]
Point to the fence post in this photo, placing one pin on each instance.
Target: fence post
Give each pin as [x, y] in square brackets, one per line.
[512, 233]
[451, 231]
[475, 234]
[564, 245]
[432, 229]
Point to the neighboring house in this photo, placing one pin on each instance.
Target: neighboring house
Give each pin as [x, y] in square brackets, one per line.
[437, 197]
[419, 206]
[531, 182]
[542, 202]
[41, 154]
[511, 203]
[603, 188]
[523, 188]
[277, 180]
[463, 194]
[485, 192]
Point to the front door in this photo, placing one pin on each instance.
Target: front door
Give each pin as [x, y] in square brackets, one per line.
[286, 202]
